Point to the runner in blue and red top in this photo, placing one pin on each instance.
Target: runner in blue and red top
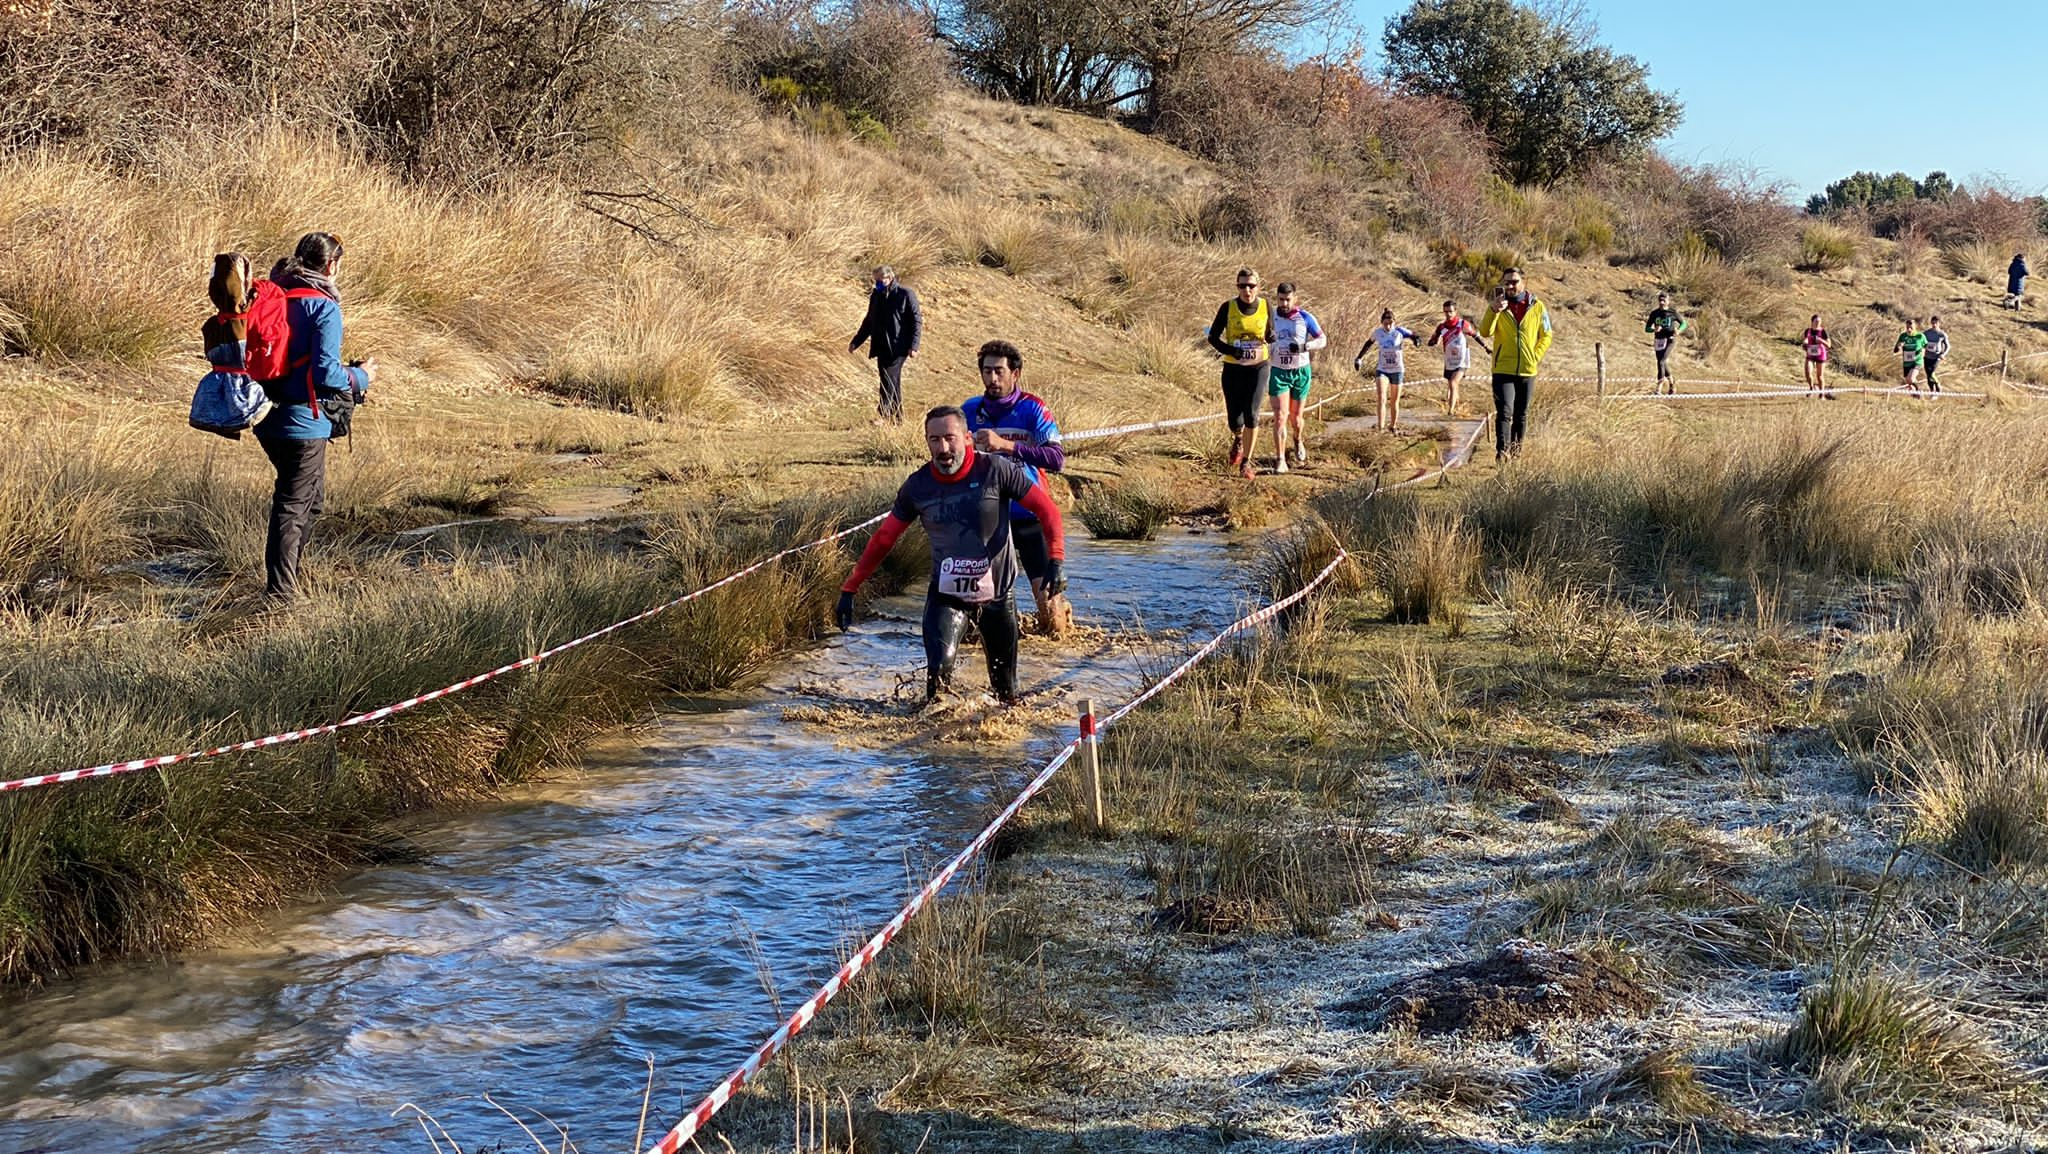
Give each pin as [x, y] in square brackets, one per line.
[963, 498]
[1013, 423]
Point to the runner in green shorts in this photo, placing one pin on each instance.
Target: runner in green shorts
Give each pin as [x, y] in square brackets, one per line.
[1295, 333]
[1910, 346]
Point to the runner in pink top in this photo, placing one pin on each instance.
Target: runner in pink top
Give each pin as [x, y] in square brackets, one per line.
[1457, 336]
[1815, 341]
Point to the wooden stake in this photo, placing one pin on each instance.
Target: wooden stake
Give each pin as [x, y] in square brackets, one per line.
[1599, 370]
[1091, 765]
[2004, 363]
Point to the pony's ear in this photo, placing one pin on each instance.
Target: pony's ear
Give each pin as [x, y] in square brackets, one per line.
[230, 285]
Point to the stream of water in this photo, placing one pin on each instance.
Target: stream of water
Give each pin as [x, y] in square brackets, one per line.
[552, 939]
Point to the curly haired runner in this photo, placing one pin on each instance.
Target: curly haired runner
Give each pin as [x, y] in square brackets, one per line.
[963, 498]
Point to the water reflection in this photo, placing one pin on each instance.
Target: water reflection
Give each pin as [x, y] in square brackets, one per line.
[556, 936]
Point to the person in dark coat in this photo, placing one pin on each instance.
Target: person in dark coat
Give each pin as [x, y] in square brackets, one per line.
[2016, 281]
[893, 330]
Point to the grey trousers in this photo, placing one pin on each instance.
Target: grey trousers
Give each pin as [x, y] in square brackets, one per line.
[294, 503]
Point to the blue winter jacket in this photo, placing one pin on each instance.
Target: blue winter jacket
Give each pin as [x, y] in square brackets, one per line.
[315, 348]
[1027, 420]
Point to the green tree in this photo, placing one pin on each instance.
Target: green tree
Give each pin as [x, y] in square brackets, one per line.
[1548, 98]
[1937, 186]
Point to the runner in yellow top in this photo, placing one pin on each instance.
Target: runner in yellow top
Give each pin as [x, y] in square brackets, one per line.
[1243, 333]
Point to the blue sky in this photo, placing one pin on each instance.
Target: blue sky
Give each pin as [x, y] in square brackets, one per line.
[1809, 92]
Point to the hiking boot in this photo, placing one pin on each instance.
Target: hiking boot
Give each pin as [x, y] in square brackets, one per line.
[1236, 456]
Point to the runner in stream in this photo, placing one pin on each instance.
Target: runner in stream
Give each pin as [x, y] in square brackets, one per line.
[1019, 425]
[963, 498]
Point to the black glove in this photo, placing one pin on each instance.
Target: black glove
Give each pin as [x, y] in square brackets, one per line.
[844, 613]
[1293, 346]
[1055, 578]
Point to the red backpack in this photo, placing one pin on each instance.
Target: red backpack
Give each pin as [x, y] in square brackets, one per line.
[270, 333]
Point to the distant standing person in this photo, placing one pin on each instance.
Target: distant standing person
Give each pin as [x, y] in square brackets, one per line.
[1937, 348]
[1456, 335]
[894, 331]
[1911, 346]
[2016, 281]
[1296, 334]
[1815, 341]
[1519, 327]
[1009, 422]
[1243, 333]
[295, 434]
[1664, 326]
[1390, 369]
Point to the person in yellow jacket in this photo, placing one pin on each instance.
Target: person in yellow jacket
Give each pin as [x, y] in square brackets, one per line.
[1518, 327]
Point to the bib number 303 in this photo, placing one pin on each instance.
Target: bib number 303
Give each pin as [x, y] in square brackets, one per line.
[967, 578]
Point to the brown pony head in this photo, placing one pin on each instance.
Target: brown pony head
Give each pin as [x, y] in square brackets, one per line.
[230, 286]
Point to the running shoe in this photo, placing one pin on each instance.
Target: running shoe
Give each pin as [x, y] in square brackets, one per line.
[1236, 457]
[1247, 471]
[1280, 463]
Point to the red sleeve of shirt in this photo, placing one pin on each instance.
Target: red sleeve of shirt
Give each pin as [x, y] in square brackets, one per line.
[877, 551]
[1039, 502]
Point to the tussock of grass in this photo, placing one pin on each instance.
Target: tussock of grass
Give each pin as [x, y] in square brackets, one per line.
[1875, 1043]
[1825, 247]
[1128, 509]
[1664, 1076]
[1981, 261]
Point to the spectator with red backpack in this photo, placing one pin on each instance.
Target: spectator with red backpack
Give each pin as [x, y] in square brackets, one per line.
[293, 348]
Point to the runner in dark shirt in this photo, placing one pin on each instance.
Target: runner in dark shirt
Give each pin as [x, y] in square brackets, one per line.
[963, 498]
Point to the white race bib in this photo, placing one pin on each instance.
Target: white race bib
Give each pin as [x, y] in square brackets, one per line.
[969, 579]
[1390, 359]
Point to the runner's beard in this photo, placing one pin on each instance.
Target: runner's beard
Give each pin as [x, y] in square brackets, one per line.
[948, 463]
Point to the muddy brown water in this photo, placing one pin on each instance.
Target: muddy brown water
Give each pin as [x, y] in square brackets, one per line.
[552, 940]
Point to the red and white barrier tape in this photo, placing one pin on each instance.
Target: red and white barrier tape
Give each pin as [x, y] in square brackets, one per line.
[716, 1100]
[1178, 422]
[721, 1094]
[1799, 394]
[115, 768]
[119, 767]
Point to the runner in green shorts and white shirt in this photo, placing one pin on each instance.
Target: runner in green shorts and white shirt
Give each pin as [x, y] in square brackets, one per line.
[1295, 334]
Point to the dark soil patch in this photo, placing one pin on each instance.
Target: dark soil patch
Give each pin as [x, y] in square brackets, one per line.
[1214, 915]
[1519, 985]
[1720, 675]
